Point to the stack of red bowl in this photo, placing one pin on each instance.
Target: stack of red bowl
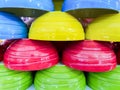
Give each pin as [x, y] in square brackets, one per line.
[89, 56]
[29, 55]
[3, 46]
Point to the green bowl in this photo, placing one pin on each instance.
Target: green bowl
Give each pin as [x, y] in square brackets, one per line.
[105, 81]
[14, 78]
[102, 85]
[59, 77]
[67, 75]
[76, 86]
[16, 84]
[19, 87]
[59, 68]
[4, 69]
[49, 80]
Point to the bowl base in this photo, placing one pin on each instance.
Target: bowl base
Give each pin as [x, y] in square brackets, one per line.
[24, 12]
[90, 12]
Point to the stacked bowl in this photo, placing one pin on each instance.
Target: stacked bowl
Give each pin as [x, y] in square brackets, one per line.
[90, 8]
[91, 56]
[27, 8]
[3, 46]
[33, 49]
[105, 80]
[105, 28]
[56, 26]
[14, 80]
[30, 55]
[59, 77]
[12, 27]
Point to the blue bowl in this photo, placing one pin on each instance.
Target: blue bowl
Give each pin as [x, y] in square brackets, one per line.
[12, 27]
[91, 7]
[29, 8]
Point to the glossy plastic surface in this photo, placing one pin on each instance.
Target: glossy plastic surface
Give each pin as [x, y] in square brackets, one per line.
[90, 8]
[27, 7]
[12, 27]
[60, 78]
[77, 4]
[105, 81]
[56, 26]
[89, 56]
[14, 80]
[105, 28]
[29, 55]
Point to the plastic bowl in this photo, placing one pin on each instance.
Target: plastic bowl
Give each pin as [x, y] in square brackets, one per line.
[106, 80]
[104, 28]
[91, 56]
[53, 78]
[90, 8]
[12, 79]
[27, 8]
[12, 27]
[56, 26]
[27, 55]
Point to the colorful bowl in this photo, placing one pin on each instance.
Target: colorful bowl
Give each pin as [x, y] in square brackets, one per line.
[56, 26]
[90, 8]
[12, 27]
[28, 8]
[105, 28]
[29, 55]
[3, 46]
[59, 77]
[91, 56]
[105, 81]
[118, 55]
[14, 80]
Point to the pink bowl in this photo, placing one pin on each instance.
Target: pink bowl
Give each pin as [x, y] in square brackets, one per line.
[3, 46]
[31, 66]
[26, 53]
[89, 56]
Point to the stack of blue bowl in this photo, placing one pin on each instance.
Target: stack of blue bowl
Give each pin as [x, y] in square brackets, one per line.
[90, 8]
[12, 27]
[28, 8]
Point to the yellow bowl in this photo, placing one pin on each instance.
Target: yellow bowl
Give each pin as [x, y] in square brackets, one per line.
[56, 26]
[105, 28]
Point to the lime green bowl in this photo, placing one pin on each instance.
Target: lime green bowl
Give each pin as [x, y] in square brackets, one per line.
[14, 80]
[76, 86]
[59, 77]
[21, 83]
[47, 80]
[105, 81]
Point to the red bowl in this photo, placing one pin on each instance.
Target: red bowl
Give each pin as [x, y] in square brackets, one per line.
[118, 56]
[1, 53]
[3, 46]
[89, 56]
[27, 54]
[31, 66]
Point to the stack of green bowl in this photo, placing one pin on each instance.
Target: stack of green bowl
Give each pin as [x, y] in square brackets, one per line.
[14, 80]
[105, 81]
[59, 77]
